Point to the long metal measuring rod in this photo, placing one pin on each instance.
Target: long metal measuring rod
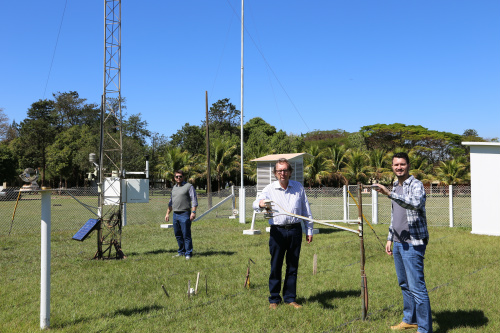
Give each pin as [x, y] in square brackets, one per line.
[269, 209]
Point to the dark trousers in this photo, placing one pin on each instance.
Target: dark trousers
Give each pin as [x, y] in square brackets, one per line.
[182, 231]
[284, 243]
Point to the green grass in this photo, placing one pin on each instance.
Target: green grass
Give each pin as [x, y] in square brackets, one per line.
[126, 295]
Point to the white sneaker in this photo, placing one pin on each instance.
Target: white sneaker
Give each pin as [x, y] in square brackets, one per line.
[188, 257]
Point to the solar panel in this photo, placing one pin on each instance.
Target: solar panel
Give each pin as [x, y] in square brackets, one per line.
[85, 231]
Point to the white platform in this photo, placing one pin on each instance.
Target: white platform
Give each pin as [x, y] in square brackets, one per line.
[251, 232]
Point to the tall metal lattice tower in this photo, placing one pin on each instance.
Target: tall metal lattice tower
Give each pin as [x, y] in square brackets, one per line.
[111, 148]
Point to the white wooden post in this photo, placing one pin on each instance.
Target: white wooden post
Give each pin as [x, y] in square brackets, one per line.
[45, 262]
[346, 203]
[451, 205]
[234, 199]
[374, 206]
[242, 205]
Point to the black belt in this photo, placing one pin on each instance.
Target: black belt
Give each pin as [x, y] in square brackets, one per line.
[287, 226]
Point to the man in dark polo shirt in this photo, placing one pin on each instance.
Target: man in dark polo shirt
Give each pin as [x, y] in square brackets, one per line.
[183, 202]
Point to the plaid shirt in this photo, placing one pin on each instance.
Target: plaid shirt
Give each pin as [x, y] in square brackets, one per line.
[413, 199]
[293, 200]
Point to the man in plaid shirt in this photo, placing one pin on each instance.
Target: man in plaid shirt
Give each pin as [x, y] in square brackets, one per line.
[408, 237]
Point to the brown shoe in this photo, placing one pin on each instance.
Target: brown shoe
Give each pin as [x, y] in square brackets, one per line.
[403, 326]
[273, 306]
[295, 305]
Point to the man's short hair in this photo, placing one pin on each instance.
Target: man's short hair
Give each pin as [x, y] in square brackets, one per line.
[401, 155]
[283, 161]
[179, 171]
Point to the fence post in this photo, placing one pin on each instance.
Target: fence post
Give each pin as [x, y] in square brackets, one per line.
[346, 203]
[45, 262]
[374, 206]
[451, 204]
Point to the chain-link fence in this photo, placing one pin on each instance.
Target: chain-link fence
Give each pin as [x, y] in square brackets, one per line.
[70, 209]
[331, 203]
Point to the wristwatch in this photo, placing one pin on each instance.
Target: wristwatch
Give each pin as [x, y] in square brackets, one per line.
[193, 211]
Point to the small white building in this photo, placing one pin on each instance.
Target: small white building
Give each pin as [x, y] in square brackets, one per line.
[265, 176]
[265, 166]
[485, 187]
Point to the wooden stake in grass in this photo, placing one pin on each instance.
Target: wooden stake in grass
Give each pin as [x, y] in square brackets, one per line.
[196, 287]
[315, 264]
[165, 290]
[247, 278]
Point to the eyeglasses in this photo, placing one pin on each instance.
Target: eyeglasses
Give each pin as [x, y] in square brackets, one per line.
[282, 171]
[178, 176]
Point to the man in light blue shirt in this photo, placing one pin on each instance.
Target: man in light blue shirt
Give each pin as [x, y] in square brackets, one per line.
[286, 231]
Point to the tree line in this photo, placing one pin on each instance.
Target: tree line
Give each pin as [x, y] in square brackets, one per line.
[58, 135]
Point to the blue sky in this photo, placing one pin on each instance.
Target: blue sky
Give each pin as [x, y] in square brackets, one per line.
[309, 65]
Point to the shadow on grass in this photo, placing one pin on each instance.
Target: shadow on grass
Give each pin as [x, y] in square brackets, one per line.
[214, 253]
[326, 231]
[141, 310]
[327, 298]
[131, 254]
[449, 320]
[123, 312]
[198, 254]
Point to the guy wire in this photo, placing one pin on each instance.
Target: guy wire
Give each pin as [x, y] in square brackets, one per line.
[383, 246]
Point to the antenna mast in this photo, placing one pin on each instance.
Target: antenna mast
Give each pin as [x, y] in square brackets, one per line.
[111, 148]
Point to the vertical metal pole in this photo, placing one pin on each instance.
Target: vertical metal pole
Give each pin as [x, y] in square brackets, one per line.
[209, 178]
[346, 203]
[120, 90]
[242, 188]
[124, 215]
[100, 184]
[374, 206]
[233, 199]
[451, 205]
[45, 262]
[123, 212]
[364, 287]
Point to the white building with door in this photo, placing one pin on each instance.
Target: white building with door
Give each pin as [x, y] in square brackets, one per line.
[265, 176]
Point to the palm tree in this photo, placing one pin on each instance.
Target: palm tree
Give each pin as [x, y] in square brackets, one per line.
[223, 160]
[452, 172]
[421, 169]
[380, 166]
[256, 146]
[173, 159]
[317, 167]
[357, 168]
[338, 156]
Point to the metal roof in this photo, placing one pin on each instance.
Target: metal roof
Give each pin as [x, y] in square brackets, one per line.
[275, 157]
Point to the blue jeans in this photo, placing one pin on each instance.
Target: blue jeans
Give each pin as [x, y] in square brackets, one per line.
[284, 242]
[182, 232]
[409, 262]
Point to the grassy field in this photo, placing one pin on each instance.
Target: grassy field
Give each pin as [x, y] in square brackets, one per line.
[126, 295]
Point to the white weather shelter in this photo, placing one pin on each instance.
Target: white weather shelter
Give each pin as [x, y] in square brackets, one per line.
[265, 176]
[485, 187]
[265, 166]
